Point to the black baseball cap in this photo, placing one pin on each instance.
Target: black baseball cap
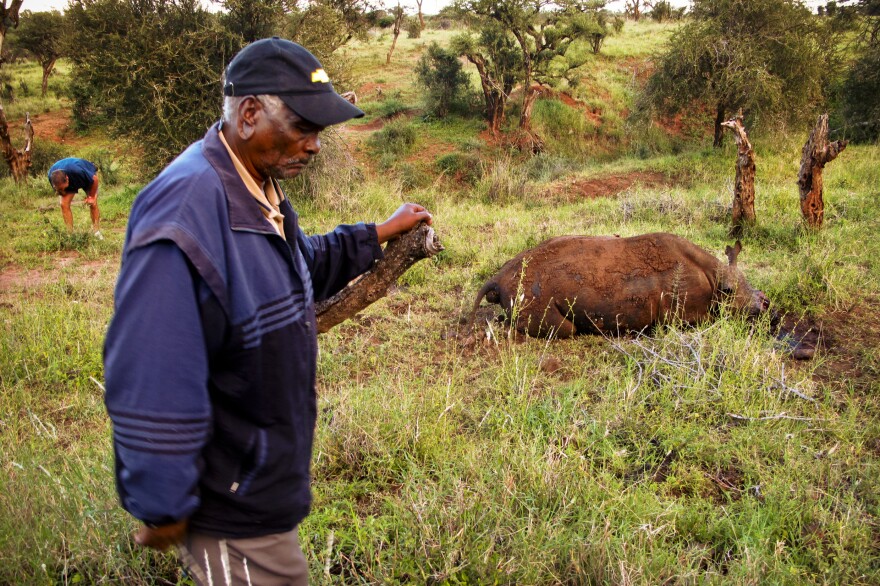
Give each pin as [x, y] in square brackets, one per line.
[282, 68]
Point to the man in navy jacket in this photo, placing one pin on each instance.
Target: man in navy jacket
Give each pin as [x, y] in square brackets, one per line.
[210, 358]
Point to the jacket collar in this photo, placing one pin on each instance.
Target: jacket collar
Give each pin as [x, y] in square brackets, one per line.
[244, 211]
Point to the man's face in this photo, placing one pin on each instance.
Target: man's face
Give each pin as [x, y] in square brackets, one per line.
[283, 143]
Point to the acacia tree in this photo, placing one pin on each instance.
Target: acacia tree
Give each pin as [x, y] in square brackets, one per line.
[323, 26]
[859, 93]
[8, 18]
[544, 30]
[39, 35]
[498, 63]
[164, 102]
[326, 25]
[253, 19]
[634, 8]
[769, 58]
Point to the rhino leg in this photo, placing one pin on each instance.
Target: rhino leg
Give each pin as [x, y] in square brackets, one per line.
[551, 322]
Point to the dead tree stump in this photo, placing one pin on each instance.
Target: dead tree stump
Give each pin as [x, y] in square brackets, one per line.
[398, 21]
[817, 153]
[400, 255]
[744, 188]
[19, 161]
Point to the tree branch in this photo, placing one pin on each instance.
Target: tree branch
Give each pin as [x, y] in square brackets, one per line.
[400, 255]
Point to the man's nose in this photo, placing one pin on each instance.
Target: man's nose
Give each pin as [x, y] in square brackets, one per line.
[313, 144]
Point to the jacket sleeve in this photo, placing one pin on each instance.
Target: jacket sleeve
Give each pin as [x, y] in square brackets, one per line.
[156, 371]
[334, 259]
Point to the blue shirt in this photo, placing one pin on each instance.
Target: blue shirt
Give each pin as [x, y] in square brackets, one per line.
[80, 173]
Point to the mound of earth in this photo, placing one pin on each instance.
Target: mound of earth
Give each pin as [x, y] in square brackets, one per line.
[605, 186]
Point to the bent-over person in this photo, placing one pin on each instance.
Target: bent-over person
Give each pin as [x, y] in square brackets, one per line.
[67, 177]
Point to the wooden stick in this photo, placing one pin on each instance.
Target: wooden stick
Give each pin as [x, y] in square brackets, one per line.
[400, 255]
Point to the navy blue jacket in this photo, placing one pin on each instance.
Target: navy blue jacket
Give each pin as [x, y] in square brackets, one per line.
[211, 355]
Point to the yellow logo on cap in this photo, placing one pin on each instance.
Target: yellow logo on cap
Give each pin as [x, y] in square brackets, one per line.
[319, 75]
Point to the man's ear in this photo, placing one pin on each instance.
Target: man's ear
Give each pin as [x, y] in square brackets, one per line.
[249, 111]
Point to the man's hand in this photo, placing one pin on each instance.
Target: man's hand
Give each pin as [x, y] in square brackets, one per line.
[403, 220]
[161, 537]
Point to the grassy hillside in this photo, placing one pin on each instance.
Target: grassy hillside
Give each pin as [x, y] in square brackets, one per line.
[693, 455]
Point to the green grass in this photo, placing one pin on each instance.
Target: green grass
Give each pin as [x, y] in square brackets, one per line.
[693, 455]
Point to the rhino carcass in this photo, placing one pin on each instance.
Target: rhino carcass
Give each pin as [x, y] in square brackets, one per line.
[604, 284]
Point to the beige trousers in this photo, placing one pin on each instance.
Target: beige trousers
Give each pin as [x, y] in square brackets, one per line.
[271, 560]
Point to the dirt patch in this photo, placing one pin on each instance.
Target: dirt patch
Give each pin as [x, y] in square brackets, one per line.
[371, 90]
[14, 278]
[851, 337]
[802, 335]
[728, 484]
[593, 114]
[605, 186]
[381, 122]
[640, 67]
[55, 126]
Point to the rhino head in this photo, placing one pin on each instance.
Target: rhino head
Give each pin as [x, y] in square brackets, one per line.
[732, 286]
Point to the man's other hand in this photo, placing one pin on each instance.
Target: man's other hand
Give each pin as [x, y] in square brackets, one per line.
[161, 537]
[403, 220]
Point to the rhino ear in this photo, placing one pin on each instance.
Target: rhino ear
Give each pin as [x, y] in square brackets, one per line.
[732, 252]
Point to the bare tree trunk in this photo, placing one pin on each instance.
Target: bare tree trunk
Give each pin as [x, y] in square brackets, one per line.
[421, 16]
[494, 97]
[719, 130]
[400, 254]
[529, 99]
[398, 20]
[19, 160]
[528, 140]
[744, 188]
[816, 154]
[496, 114]
[48, 66]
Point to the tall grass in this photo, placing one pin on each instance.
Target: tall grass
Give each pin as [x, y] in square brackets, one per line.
[687, 455]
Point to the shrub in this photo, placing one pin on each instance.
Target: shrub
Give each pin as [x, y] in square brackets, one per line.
[7, 92]
[859, 107]
[44, 155]
[546, 167]
[387, 108]
[106, 163]
[395, 138]
[169, 100]
[464, 167]
[439, 71]
[413, 28]
[503, 181]
[413, 177]
[565, 129]
[391, 107]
